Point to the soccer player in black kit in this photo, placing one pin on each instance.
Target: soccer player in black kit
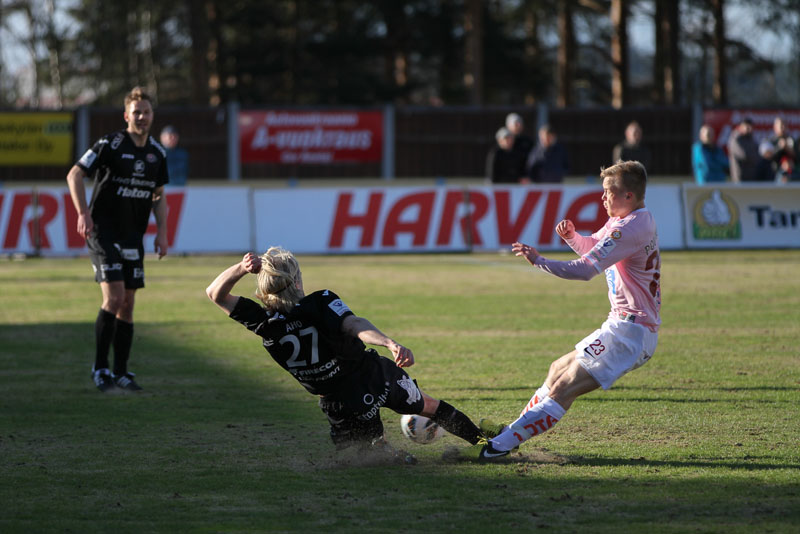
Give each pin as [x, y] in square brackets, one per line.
[129, 170]
[320, 342]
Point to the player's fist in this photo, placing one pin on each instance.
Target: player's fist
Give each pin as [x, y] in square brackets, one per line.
[251, 263]
[566, 229]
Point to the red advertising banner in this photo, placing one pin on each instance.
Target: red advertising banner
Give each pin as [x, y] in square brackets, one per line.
[724, 120]
[310, 137]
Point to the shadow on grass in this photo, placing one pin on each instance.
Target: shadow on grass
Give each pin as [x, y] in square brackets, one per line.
[753, 463]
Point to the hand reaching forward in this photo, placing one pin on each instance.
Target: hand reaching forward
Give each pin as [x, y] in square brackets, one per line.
[526, 251]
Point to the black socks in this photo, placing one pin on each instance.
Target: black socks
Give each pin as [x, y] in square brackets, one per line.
[456, 423]
[104, 328]
[123, 338]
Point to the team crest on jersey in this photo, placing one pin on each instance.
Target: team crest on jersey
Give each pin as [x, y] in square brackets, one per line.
[338, 307]
[616, 234]
[411, 388]
[151, 158]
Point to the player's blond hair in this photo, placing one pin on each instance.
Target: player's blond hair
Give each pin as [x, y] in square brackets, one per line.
[277, 280]
[136, 94]
[630, 176]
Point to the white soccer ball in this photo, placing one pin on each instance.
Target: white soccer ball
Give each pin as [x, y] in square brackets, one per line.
[420, 429]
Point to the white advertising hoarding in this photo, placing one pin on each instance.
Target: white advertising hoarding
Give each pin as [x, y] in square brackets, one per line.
[742, 216]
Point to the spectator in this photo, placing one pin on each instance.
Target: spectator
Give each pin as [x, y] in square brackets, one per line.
[743, 152]
[522, 142]
[631, 149]
[765, 170]
[547, 163]
[177, 157]
[708, 160]
[784, 159]
[502, 165]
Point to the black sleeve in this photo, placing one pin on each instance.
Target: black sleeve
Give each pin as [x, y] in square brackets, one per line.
[332, 311]
[249, 314]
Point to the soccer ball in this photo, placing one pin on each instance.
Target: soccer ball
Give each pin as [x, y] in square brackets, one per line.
[420, 429]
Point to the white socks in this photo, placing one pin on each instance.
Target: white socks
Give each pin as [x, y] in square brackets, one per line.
[541, 393]
[534, 421]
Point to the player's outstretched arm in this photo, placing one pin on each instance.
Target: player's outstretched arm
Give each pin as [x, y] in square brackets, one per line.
[369, 334]
[220, 289]
[526, 251]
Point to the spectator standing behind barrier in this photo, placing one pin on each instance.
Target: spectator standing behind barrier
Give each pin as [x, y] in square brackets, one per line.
[522, 142]
[177, 157]
[632, 149]
[743, 152]
[709, 161]
[547, 162]
[502, 164]
[765, 169]
[784, 159]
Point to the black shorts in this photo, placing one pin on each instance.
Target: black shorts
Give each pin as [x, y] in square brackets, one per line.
[355, 409]
[117, 261]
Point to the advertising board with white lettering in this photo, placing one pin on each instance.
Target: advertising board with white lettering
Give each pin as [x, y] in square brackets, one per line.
[742, 216]
[725, 120]
[310, 137]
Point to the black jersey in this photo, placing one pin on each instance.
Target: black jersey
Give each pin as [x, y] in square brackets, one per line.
[308, 341]
[125, 177]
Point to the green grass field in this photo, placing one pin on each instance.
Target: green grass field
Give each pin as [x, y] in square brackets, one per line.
[704, 438]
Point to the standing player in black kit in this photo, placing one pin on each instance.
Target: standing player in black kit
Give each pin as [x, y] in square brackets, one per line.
[129, 170]
[320, 342]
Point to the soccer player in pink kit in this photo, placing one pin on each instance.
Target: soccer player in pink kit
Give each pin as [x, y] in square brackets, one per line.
[626, 248]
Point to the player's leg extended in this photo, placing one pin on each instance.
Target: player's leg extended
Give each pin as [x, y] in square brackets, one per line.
[451, 419]
[557, 368]
[573, 382]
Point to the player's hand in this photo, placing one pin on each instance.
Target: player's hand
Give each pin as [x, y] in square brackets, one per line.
[251, 263]
[526, 251]
[566, 229]
[160, 244]
[85, 225]
[403, 356]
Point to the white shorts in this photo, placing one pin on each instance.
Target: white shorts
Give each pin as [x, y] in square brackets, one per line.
[614, 349]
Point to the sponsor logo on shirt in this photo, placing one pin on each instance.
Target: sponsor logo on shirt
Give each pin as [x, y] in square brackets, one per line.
[87, 159]
[127, 156]
[116, 141]
[338, 307]
[602, 249]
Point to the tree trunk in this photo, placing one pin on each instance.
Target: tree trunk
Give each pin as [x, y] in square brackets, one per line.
[619, 53]
[667, 57]
[532, 47]
[198, 31]
[473, 72]
[566, 54]
[719, 90]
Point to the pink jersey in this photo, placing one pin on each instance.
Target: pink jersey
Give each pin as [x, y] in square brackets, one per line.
[627, 250]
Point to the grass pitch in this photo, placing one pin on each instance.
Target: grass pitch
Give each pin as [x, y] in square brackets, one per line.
[704, 438]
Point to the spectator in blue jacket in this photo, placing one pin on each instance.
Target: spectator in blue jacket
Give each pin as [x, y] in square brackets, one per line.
[708, 160]
[547, 162]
